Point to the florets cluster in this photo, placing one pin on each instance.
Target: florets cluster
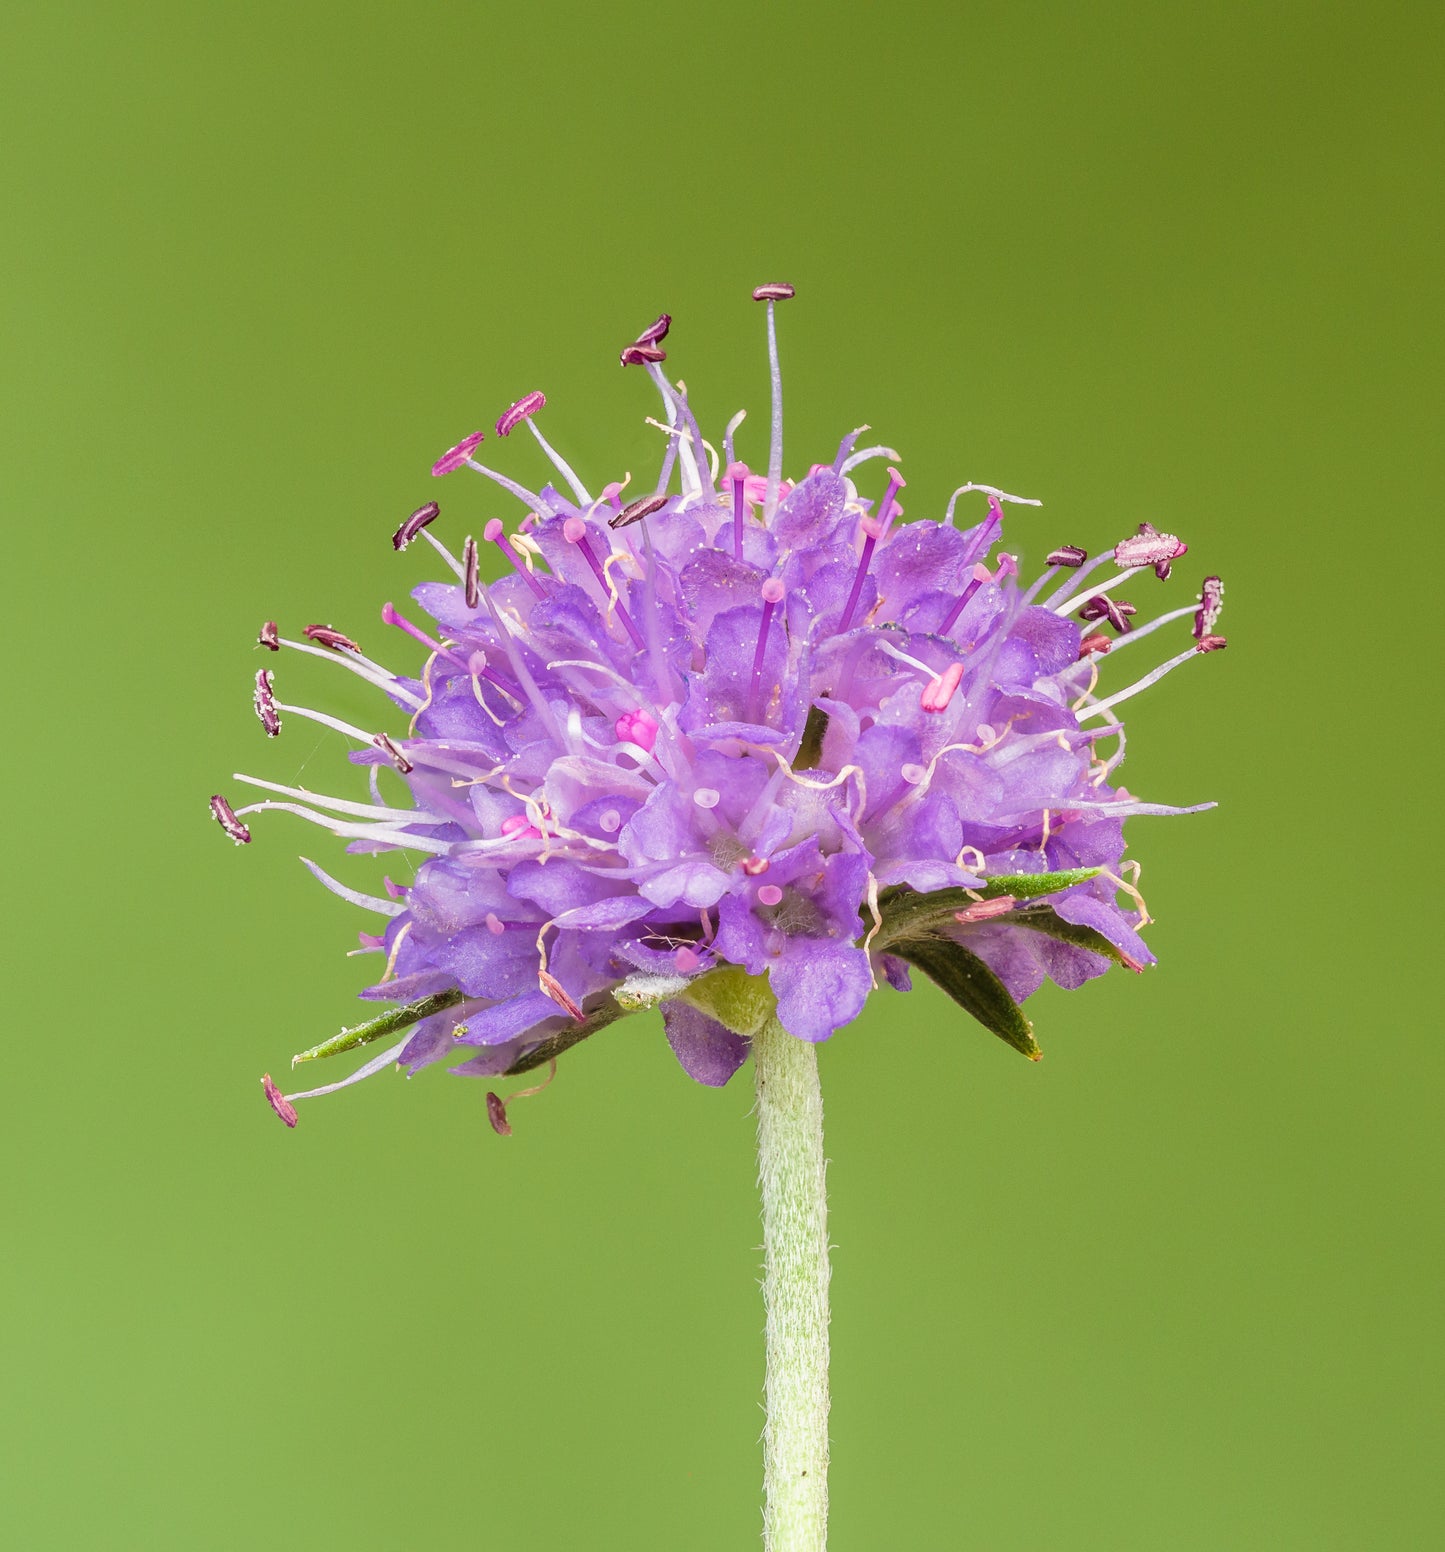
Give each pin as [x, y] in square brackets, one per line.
[746, 727]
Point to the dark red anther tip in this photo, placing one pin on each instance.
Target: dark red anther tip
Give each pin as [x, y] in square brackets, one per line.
[1115, 610]
[497, 1115]
[655, 333]
[471, 586]
[642, 355]
[1066, 555]
[1092, 644]
[225, 816]
[278, 1101]
[428, 512]
[1211, 644]
[270, 638]
[324, 636]
[523, 409]
[636, 511]
[388, 747]
[778, 291]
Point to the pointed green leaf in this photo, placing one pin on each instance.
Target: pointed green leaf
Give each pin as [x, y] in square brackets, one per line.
[973, 986]
[1045, 919]
[908, 914]
[386, 1024]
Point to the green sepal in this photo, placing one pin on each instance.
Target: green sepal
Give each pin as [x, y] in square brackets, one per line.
[608, 1011]
[908, 914]
[973, 986]
[740, 1002]
[810, 747]
[386, 1024]
[1045, 919]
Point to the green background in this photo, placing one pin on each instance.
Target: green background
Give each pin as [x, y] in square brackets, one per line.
[1175, 1287]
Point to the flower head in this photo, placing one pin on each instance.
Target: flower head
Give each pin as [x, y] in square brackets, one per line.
[742, 748]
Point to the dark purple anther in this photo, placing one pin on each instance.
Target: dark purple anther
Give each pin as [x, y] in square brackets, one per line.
[1212, 644]
[470, 585]
[497, 1115]
[1149, 547]
[523, 409]
[642, 355]
[390, 750]
[270, 637]
[455, 457]
[324, 636]
[265, 703]
[1066, 555]
[574, 531]
[779, 291]
[636, 511]
[278, 1101]
[428, 512]
[225, 816]
[655, 333]
[1211, 602]
[1115, 610]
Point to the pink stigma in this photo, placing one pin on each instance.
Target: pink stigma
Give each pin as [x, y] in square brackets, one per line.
[770, 894]
[493, 533]
[637, 727]
[737, 473]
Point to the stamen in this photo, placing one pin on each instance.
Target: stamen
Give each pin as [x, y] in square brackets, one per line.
[853, 460]
[1211, 602]
[984, 910]
[414, 524]
[225, 816]
[1066, 555]
[729, 432]
[574, 531]
[497, 1115]
[455, 457]
[493, 533]
[529, 498]
[268, 637]
[655, 333]
[635, 511]
[390, 750]
[776, 292]
[1139, 685]
[559, 463]
[940, 691]
[738, 475]
[1212, 643]
[471, 589]
[523, 409]
[265, 703]
[558, 993]
[1149, 547]
[1115, 610]
[772, 594]
[1092, 644]
[1060, 602]
[641, 355]
[278, 1101]
[324, 636]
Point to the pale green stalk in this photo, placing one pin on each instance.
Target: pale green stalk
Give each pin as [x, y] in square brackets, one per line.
[791, 1171]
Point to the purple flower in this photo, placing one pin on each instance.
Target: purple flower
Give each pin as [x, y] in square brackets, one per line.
[743, 748]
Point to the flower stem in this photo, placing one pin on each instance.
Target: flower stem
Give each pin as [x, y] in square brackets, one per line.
[791, 1171]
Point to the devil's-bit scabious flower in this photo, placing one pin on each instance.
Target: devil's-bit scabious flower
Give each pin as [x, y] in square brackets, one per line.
[745, 741]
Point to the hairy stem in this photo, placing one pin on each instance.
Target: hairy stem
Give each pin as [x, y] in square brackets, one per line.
[791, 1171]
